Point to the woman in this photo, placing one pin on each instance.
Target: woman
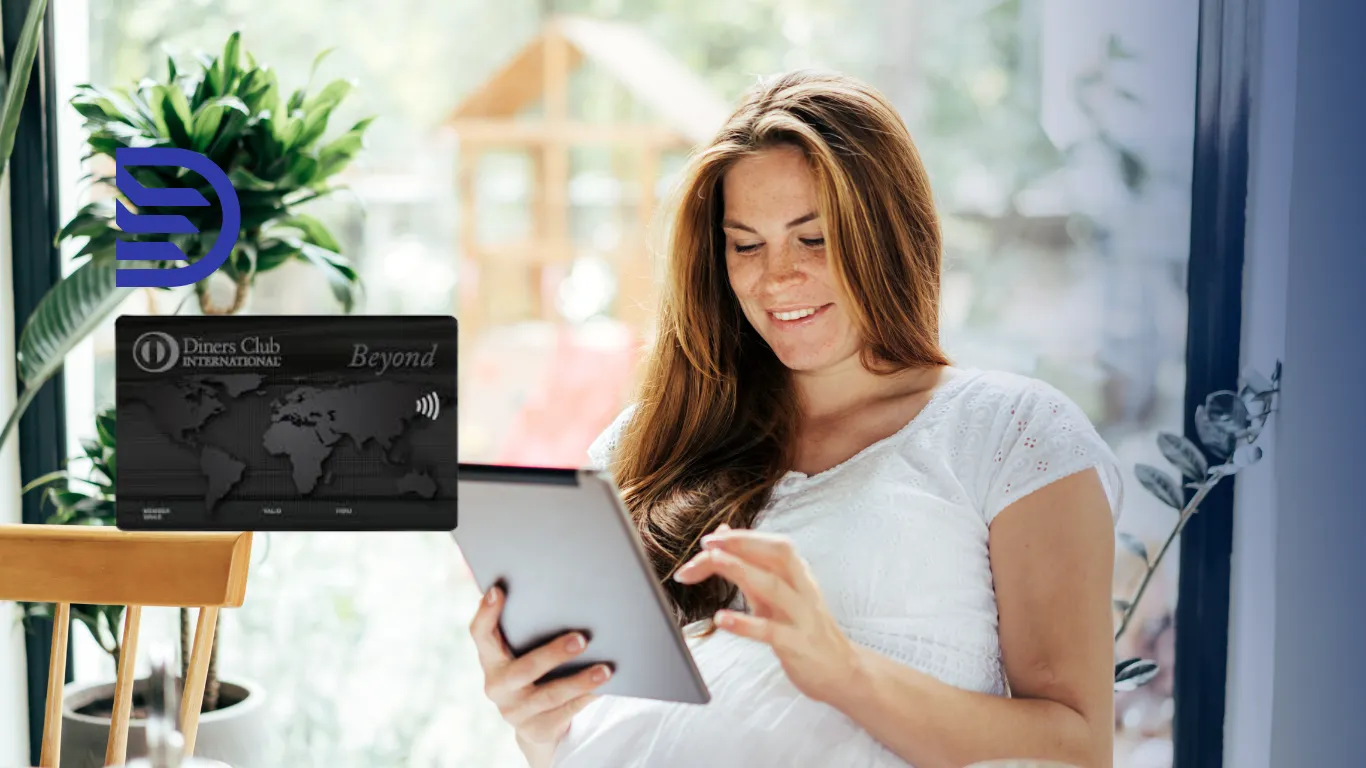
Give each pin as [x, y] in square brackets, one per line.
[880, 559]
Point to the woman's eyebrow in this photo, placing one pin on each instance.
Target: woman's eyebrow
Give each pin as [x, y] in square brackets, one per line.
[797, 222]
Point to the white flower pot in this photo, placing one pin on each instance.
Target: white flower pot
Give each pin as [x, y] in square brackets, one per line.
[236, 733]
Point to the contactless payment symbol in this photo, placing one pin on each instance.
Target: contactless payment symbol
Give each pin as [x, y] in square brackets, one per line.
[429, 405]
[155, 352]
[170, 224]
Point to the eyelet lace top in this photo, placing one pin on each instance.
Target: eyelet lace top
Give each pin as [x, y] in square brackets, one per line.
[896, 536]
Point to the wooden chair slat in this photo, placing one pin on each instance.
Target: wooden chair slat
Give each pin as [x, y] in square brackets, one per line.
[197, 675]
[117, 751]
[56, 679]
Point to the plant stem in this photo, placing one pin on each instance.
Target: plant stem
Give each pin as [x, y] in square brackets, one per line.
[117, 652]
[241, 289]
[211, 682]
[184, 643]
[1186, 514]
[25, 400]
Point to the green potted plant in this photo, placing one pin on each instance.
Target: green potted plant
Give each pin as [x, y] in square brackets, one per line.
[272, 148]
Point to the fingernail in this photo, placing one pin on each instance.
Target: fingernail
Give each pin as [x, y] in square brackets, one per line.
[492, 596]
[575, 643]
[601, 673]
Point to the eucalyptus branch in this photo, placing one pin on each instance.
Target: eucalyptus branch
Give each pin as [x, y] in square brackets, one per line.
[1187, 513]
[1228, 424]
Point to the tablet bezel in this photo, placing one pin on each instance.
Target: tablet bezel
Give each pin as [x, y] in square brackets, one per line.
[585, 478]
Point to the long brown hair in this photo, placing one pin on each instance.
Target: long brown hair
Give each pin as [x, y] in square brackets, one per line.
[716, 419]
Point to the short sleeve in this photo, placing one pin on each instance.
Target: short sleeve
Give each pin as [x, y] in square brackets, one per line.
[603, 447]
[1044, 437]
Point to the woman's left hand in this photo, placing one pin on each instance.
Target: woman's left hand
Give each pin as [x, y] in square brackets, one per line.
[788, 612]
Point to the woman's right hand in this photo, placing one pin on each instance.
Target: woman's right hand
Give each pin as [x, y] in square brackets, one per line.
[540, 714]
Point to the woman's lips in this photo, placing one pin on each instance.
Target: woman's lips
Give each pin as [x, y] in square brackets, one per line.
[797, 317]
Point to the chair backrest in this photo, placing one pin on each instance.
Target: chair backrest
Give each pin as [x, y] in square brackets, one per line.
[84, 565]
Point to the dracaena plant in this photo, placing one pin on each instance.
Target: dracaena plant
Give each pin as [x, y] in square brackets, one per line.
[1227, 425]
[275, 150]
[271, 147]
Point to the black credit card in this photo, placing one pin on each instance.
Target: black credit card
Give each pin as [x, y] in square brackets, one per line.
[286, 423]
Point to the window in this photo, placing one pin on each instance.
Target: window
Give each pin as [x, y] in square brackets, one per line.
[1058, 136]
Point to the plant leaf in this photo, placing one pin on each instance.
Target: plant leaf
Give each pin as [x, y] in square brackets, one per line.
[243, 260]
[1161, 485]
[1133, 170]
[1253, 381]
[175, 109]
[313, 230]
[1184, 454]
[273, 254]
[211, 116]
[105, 426]
[1115, 48]
[1215, 440]
[1228, 412]
[48, 479]
[242, 179]
[1246, 456]
[337, 153]
[230, 63]
[340, 276]
[1130, 674]
[19, 71]
[318, 62]
[1120, 605]
[69, 312]
[1134, 545]
[91, 621]
[94, 219]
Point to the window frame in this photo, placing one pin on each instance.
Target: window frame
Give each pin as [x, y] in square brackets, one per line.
[1214, 327]
[1214, 295]
[34, 219]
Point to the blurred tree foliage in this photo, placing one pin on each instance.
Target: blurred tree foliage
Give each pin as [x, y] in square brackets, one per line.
[963, 72]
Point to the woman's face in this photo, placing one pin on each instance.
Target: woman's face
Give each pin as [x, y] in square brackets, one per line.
[776, 259]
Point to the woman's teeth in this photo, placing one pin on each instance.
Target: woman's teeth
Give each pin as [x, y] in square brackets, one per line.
[795, 314]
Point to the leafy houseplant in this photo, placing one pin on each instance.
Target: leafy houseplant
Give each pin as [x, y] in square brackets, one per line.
[272, 149]
[87, 499]
[270, 146]
[1228, 425]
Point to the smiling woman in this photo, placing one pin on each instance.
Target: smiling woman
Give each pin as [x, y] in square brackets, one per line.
[897, 551]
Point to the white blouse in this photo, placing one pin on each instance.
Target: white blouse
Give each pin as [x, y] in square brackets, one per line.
[896, 537]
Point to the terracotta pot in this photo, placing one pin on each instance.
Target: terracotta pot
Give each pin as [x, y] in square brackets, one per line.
[237, 733]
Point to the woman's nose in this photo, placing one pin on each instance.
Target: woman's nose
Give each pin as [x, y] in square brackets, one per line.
[780, 267]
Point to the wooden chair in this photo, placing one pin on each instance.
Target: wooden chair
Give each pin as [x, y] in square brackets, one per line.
[86, 565]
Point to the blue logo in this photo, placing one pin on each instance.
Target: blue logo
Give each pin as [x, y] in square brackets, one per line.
[146, 224]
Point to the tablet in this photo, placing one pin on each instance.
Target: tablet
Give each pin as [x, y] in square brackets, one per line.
[561, 544]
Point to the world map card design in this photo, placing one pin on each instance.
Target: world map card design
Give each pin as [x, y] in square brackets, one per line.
[286, 423]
